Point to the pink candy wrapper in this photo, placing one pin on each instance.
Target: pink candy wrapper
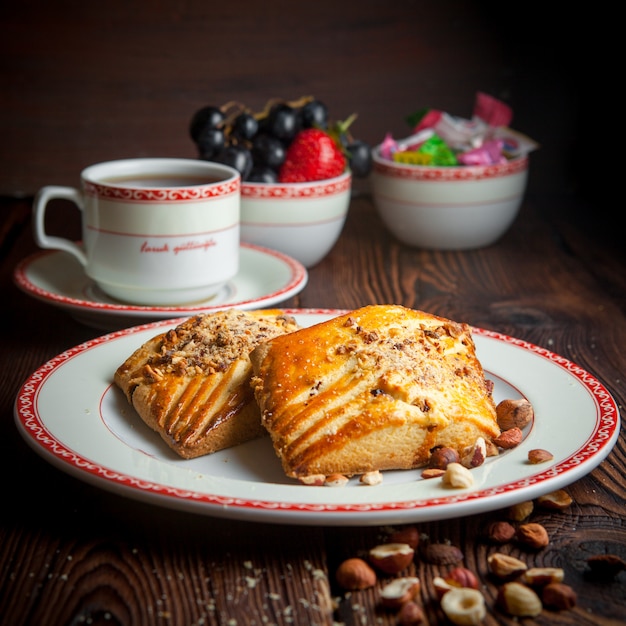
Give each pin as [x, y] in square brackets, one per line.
[442, 139]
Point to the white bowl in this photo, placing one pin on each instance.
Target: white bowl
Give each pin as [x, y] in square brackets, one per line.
[302, 220]
[448, 208]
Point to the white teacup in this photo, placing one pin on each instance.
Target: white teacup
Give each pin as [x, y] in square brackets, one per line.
[154, 231]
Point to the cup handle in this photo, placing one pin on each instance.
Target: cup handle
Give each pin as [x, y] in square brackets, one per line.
[42, 198]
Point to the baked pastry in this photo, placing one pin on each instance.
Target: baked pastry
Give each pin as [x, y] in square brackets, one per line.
[375, 389]
[191, 384]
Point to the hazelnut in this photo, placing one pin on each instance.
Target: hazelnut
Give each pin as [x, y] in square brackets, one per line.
[408, 534]
[520, 511]
[518, 600]
[457, 476]
[533, 536]
[462, 577]
[410, 614]
[514, 414]
[558, 596]
[355, 574]
[464, 606]
[555, 500]
[399, 591]
[440, 457]
[391, 558]
[505, 566]
[508, 439]
[539, 456]
[500, 532]
[442, 554]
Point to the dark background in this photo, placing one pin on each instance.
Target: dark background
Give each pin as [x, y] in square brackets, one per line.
[89, 81]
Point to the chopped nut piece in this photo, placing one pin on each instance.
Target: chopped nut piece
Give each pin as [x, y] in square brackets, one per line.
[519, 600]
[371, 478]
[355, 574]
[400, 590]
[464, 606]
[457, 476]
[336, 480]
[514, 414]
[533, 536]
[505, 566]
[559, 596]
[508, 439]
[500, 532]
[520, 511]
[556, 500]
[433, 472]
[540, 576]
[441, 586]
[314, 479]
[539, 456]
[476, 455]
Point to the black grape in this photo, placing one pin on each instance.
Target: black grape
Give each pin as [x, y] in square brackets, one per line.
[282, 122]
[267, 150]
[245, 126]
[314, 114]
[238, 157]
[204, 118]
[360, 158]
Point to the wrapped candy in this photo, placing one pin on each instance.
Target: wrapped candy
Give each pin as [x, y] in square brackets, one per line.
[445, 140]
[490, 153]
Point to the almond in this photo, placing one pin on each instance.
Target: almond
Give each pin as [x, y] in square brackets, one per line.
[539, 456]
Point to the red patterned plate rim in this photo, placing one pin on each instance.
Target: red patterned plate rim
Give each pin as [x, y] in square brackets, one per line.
[553, 384]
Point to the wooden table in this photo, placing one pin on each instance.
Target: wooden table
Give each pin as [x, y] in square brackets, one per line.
[71, 553]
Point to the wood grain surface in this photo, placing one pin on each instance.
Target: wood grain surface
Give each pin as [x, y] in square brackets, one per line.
[84, 82]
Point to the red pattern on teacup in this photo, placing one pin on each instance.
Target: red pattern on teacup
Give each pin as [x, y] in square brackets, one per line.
[179, 194]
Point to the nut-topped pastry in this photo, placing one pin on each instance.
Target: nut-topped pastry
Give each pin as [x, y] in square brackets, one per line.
[375, 389]
[191, 384]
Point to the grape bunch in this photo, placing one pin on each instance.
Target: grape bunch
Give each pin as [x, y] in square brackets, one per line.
[289, 141]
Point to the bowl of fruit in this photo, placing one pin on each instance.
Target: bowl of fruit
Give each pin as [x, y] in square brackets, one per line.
[296, 168]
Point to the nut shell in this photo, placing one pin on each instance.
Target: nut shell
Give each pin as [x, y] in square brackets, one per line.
[391, 558]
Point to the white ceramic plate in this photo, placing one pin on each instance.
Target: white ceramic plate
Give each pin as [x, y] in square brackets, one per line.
[73, 416]
[265, 278]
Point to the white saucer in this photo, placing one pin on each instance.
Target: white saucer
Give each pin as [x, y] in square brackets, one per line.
[265, 278]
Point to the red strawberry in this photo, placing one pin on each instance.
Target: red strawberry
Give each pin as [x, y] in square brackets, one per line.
[312, 155]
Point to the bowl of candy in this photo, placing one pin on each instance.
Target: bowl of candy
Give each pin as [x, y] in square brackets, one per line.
[453, 184]
[296, 168]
